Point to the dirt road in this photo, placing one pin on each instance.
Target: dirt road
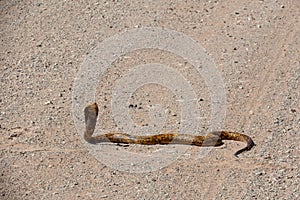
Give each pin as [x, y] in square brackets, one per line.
[255, 48]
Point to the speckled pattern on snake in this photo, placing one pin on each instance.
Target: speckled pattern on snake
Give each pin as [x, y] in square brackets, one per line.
[214, 138]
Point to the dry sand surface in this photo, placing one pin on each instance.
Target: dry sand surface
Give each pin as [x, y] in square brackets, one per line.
[255, 47]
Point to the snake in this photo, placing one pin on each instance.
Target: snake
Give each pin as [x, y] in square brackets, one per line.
[212, 139]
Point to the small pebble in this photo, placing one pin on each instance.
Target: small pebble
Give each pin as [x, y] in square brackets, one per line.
[48, 102]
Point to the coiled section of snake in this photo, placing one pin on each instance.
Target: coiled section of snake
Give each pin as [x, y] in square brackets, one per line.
[214, 138]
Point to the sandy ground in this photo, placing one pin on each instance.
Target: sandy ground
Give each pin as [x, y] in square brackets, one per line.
[255, 46]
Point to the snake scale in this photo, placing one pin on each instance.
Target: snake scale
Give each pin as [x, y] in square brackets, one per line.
[214, 138]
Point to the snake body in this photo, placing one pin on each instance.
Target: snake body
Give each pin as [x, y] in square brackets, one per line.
[214, 138]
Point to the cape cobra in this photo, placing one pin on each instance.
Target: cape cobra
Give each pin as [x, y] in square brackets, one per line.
[214, 138]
